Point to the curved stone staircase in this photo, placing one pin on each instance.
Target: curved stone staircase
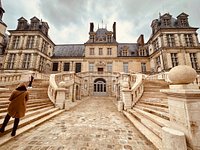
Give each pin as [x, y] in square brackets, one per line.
[150, 113]
[39, 108]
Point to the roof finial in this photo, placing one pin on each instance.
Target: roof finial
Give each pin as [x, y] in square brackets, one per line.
[98, 25]
[102, 23]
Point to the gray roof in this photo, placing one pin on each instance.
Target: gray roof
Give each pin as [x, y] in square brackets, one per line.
[69, 50]
[132, 48]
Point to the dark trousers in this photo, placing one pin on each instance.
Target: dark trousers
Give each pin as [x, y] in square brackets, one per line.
[5, 122]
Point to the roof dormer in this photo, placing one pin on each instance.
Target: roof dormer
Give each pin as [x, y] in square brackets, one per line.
[182, 20]
[166, 20]
[34, 23]
[22, 24]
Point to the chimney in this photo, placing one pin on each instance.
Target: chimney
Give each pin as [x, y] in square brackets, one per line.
[114, 30]
[91, 27]
[140, 40]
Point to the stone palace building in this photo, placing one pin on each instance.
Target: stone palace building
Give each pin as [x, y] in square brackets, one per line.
[130, 73]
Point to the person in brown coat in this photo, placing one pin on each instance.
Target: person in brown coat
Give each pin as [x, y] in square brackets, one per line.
[17, 107]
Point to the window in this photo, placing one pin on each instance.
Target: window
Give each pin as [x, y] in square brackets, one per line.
[41, 64]
[125, 52]
[44, 47]
[91, 67]
[30, 42]
[55, 67]
[78, 67]
[174, 59]
[100, 51]
[184, 22]
[11, 61]
[158, 61]
[188, 39]
[109, 51]
[143, 67]
[166, 22]
[156, 45]
[125, 67]
[170, 40]
[66, 66]
[109, 67]
[109, 38]
[34, 25]
[91, 51]
[193, 59]
[15, 44]
[26, 61]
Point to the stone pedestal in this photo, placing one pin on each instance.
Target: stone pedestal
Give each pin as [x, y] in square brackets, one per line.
[127, 99]
[60, 97]
[173, 139]
[184, 111]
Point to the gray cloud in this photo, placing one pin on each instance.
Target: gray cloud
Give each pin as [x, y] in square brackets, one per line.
[69, 19]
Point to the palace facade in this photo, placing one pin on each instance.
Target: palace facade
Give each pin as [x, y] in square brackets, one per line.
[172, 42]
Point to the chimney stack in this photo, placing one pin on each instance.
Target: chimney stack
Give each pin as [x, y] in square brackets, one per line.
[114, 30]
[91, 27]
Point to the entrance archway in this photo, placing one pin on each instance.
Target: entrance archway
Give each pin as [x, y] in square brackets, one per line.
[100, 87]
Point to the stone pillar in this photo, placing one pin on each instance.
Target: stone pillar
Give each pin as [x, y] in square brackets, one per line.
[184, 104]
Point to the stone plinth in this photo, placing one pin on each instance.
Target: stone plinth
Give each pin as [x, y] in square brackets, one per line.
[60, 97]
[184, 105]
[173, 139]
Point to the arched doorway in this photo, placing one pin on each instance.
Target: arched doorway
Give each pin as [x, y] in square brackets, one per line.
[100, 87]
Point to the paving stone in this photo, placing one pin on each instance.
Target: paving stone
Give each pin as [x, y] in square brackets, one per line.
[95, 124]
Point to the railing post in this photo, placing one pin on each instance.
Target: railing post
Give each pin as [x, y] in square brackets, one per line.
[184, 102]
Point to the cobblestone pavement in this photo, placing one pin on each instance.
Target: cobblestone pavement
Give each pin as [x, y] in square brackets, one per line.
[95, 124]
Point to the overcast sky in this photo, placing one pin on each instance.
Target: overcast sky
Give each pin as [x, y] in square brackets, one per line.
[69, 19]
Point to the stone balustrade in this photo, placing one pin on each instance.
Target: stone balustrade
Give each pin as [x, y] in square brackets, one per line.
[61, 88]
[131, 89]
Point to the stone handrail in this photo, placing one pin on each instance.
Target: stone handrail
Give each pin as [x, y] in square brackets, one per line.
[15, 78]
[131, 89]
[164, 76]
[59, 88]
[137, 89]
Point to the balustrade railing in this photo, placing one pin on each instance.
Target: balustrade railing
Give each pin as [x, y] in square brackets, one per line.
[131, 89]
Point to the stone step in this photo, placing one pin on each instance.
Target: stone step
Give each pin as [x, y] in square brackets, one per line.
[151, 136]
[146, 122]
[158, 108]
[153, 111]
[6, 138]
[29, 120]
[156, 119]
[155, 103]
[28, 114]
[30, 105]
[6, 101]
[29, 109]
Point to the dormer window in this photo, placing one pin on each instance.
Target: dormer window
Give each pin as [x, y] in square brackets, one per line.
[34, 25]
[166, 22]
[184, 22]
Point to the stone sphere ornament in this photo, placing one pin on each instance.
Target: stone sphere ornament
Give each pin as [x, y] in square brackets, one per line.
[182, 74]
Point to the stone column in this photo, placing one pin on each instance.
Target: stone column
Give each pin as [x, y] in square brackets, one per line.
[184, 104]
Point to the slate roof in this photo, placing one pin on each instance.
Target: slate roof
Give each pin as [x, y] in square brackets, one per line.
[69, 50]
[132, 48]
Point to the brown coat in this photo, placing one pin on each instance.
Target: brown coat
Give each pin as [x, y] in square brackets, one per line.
[17, 106]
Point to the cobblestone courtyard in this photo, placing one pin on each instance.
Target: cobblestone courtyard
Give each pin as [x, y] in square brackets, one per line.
[95, 124]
